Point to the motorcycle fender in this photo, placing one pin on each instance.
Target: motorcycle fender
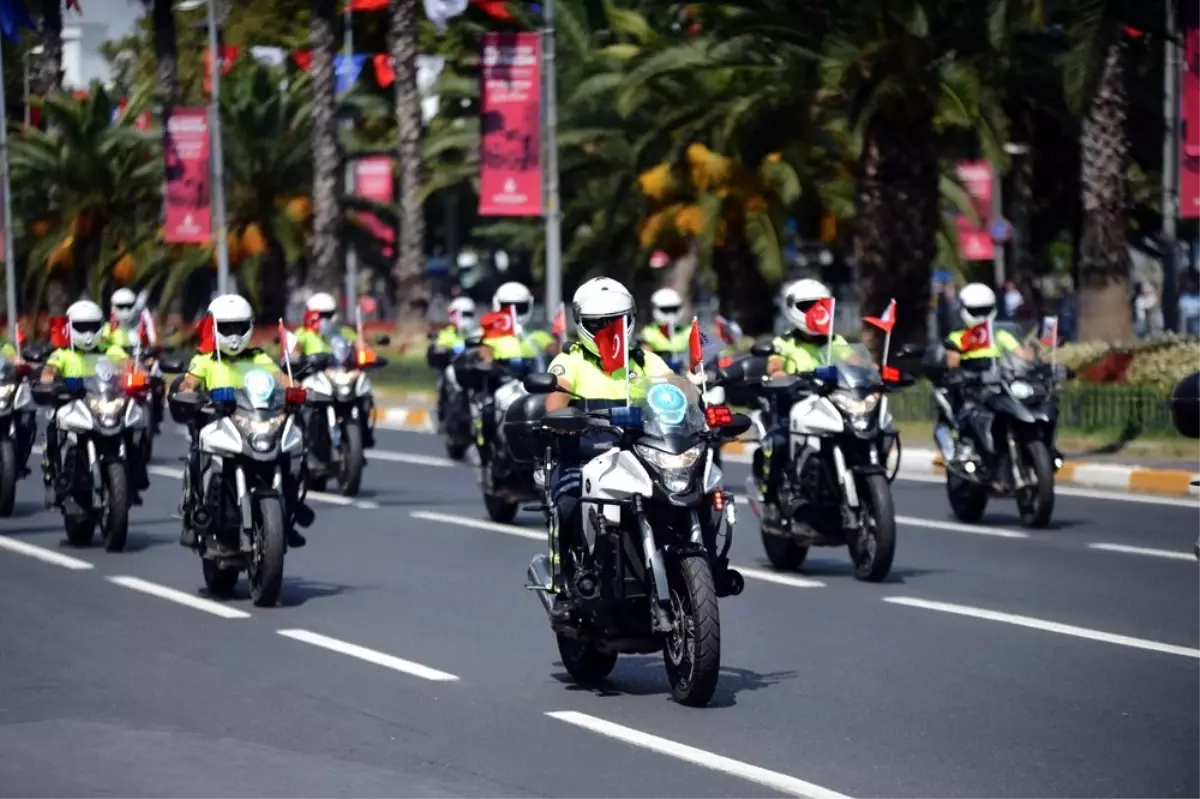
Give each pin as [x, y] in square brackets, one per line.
[94, 468]
[221, 438]
[75, 417]
[865, 469]
[615, 475]
[135, 416]
[654, 561]
[292, 440]
[815, 416]
[362, 386]
[243, 498]
[756, 418]
[1002, 403]
[335, 432]
[845, 477]
[23, 397]
[713, 476]
[885, 414]
[354, 412]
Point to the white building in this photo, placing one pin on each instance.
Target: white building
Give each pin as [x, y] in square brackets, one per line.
[101, 21]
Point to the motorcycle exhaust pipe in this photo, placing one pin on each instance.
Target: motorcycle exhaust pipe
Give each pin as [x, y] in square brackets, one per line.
[539, 578]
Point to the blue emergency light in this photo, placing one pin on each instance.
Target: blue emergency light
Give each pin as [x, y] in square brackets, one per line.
[827, 374]
[626, 417]
[73, 383]
[223, 395]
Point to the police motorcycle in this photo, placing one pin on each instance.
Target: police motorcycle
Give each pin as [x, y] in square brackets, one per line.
[657, 527]
[251, 441]
[834, 490]
[341, 404]
[495, 386]
[1185, 415]
[454, 425]
[1010, 428]
[18, 428]
[101, 420]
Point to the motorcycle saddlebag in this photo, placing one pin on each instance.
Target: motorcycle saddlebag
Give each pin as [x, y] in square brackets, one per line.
[1185, 406]
[519, 426]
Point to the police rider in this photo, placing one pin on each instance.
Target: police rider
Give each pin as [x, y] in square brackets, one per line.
[520, 342]
[233, 325]
[665, 336]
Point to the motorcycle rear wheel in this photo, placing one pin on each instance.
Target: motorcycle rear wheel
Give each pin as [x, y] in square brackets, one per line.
[8, 477]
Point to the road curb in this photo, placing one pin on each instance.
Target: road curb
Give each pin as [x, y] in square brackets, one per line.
[1111, 477]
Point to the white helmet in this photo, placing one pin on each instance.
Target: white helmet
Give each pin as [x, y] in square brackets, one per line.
[84, 320]
[462, 313]
[799, 298]
[596, 304]
[665, 305]
[515, 295]
[977, 304]
[233, 322]
[123, 303]
[325, 305]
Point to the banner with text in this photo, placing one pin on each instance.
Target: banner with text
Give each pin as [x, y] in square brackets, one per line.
[1189, 143]
[510, 171]
[188, 177]
[373, 181]
[975, 241]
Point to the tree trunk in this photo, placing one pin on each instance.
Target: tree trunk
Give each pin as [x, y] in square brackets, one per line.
[326, 259]
[1104, 266]
[163, 16]
[412, 291]
[896, 230]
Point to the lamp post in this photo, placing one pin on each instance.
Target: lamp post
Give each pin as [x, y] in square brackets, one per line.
[553, 205]
[216, 146]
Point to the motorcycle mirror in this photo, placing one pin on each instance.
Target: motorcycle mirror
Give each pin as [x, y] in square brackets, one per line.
[763, 349]
[540, 383]
[383, 341]
[172, 366]
[737, 426]
[35, 351]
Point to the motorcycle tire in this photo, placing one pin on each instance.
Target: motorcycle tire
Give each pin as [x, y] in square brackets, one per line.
[114, 518]
[350, 476]
[266, 559]
[584, 662]
[80, 528]
[874, 565]
[498, 510]
[8, 477]
[219, 582]
[1036, 504]
[783, 553]
[968, 500]
[694, 598]
[457, 451]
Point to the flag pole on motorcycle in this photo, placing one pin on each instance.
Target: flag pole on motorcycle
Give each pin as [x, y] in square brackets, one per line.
[625, 325]
[286, 342]
[358, 330]
[1050, 338]
[885, 322]
[696, 354]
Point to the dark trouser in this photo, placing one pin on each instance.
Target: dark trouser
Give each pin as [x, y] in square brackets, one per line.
[769, 467]
[51, 456]
[566, 487]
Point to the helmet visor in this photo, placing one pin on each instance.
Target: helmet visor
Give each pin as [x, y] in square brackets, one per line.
[594, 325]
[83, 328]
[669, 310]
[980, 311]
[804, 306]
[235, 328]
[519, 308]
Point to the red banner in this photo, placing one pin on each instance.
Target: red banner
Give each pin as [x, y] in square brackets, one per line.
[510, 172]
[975, 241]
[373, 181]
[187, 200]
[1189, 144]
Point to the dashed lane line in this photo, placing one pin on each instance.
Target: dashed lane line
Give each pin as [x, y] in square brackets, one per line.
[369, 655]
[178, 597]
[44, 555]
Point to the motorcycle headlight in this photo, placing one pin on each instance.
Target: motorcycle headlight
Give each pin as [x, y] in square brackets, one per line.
[343, 377]
[262, 442]
[1020, 390]
[667, 460]
[108, 412]
[261, 433]
[847, 402]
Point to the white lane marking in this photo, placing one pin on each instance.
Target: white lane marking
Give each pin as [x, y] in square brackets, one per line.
[44, 555]
[749, 573]
[1082, 493]
[1046, 626]
[697, 757]
[319, 496]
[369, 655]
[178, 597]
[974, 529]
[410, 457]
[1158, 553]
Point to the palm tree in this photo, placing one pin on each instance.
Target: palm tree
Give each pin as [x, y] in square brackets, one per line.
[326, 232]
[101, 227]
[409, 270]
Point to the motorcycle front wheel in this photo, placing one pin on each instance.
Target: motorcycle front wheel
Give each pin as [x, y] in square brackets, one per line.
[8, 477]
[873, 558]
[692, 654]
[266, 559]
[350, 476]
[114, 516]
[1036, 502]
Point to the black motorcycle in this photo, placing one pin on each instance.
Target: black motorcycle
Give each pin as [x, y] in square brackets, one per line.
[656, 531]
[18, 428]
[453, 404]
[1007, 419]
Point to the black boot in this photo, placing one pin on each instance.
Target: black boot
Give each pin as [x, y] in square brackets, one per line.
[294, 539]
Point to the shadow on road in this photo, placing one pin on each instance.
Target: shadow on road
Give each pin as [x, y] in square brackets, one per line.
[644, 675]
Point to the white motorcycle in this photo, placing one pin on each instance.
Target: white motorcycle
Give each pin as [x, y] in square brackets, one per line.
[835, 488]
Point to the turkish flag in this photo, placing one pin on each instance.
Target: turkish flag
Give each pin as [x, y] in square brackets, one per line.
[496, 9]
[208, 336]
[497, 324]
[368, 5]
[59, 335]
[695, 346]
[886, 321]
[303, 59]
[384, 73]
[1049, 331]
[978, 337]
[819, 317]
[312, 321]
[558, 328]
[611, 342]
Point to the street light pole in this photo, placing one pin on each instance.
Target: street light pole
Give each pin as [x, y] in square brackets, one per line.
[553, 206]
[1170, 172]
[10, 276]
[216, 147]
[351, 284]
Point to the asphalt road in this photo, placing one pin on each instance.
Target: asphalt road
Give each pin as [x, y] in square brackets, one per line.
[407, 660]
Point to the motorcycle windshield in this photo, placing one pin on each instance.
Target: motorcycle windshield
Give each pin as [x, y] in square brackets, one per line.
[670, 406]
[260, 393]
[105, 382]
[857, 372]
[342, 352]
